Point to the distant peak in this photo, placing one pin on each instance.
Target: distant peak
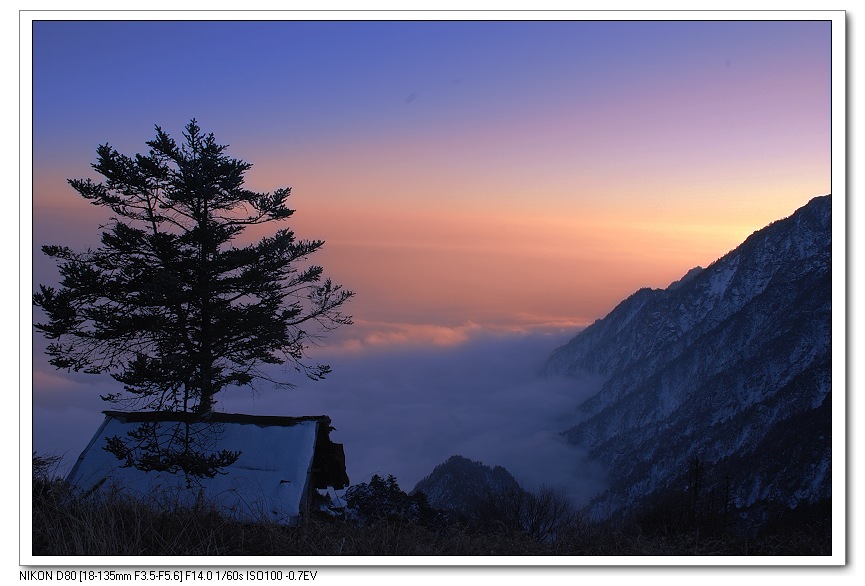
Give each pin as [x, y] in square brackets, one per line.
[688, 276]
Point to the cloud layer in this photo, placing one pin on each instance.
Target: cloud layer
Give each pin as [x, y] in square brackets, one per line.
[398, 409]
[403, 410]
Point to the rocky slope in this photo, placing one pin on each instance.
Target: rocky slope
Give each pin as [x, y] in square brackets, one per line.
[729, 367]
[458, 484]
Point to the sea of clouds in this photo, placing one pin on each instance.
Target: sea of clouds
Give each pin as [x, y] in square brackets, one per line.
[398, 408]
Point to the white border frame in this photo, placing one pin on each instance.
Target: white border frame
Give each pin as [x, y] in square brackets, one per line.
[839, 287]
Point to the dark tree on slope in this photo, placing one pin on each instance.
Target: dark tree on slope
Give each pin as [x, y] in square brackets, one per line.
[169, 306]
[382, 500]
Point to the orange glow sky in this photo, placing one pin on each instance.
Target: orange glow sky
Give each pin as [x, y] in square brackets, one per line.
[511, 176]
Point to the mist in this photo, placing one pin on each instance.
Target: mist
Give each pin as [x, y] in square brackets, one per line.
[404, 410]
[397, 408]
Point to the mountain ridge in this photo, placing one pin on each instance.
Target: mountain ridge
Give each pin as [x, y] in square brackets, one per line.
[710, 367]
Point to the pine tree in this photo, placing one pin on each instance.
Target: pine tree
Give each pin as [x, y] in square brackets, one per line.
[168, 305]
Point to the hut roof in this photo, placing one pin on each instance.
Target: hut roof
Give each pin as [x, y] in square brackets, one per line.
[281, 460]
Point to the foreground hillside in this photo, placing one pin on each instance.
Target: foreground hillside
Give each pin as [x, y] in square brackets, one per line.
[65, 524]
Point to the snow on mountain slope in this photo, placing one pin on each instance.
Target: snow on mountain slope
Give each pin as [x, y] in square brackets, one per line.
[717, 367]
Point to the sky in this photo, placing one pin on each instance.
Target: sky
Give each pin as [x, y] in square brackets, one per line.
[486, 188]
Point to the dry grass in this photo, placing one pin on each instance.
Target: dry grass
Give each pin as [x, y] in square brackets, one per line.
[65, 524]
[120, 526]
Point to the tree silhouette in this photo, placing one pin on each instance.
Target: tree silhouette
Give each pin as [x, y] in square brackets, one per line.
[168, 305]
[382, 500]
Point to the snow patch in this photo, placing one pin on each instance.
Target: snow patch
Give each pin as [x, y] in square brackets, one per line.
[268, 480]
